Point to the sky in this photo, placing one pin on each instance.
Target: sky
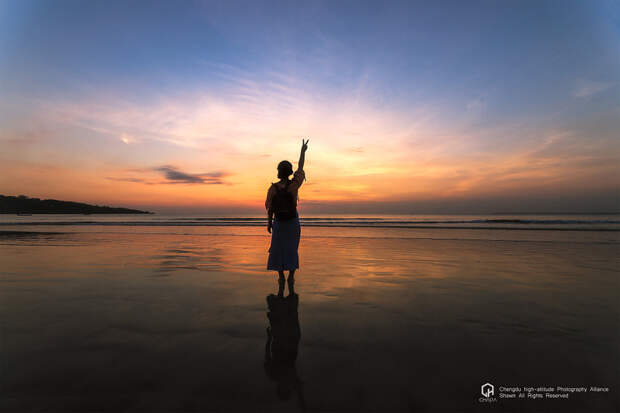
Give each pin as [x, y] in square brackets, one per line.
[410, 107]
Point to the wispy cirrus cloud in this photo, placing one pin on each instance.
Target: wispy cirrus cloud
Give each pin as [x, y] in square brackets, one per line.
[253, 111]
[588, 88]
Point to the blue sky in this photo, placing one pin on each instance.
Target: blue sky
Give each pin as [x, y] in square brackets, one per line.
[494, 77]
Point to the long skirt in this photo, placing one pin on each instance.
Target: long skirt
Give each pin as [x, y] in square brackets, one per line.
[284, 244]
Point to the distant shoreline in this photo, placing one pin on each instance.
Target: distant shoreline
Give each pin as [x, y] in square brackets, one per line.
[23, 205]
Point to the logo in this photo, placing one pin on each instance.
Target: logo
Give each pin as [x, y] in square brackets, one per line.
[487, 390]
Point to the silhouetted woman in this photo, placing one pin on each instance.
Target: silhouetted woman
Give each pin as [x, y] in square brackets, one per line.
[282, 203]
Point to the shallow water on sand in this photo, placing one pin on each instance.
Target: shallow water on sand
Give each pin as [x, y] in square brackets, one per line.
[175, 320]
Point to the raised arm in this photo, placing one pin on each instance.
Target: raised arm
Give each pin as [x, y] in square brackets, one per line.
[302, 155]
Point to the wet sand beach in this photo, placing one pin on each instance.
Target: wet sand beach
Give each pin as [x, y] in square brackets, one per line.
[167, 320]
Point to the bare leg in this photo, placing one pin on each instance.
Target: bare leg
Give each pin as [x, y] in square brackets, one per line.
[291, 281]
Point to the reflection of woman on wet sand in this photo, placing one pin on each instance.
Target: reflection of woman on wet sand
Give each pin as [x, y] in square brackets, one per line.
[282, 202]
[283, 335]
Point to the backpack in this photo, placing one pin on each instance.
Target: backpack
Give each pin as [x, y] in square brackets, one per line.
[283, 203]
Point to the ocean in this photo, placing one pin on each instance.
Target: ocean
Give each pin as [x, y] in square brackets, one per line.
[389, 313]
[602, 222]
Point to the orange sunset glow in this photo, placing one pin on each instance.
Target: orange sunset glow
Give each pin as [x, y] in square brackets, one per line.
[207, 136]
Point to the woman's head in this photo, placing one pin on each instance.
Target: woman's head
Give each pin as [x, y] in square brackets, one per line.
[285, 169]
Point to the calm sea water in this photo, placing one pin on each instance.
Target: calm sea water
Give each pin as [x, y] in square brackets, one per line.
[408, 313]
[517, 222]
